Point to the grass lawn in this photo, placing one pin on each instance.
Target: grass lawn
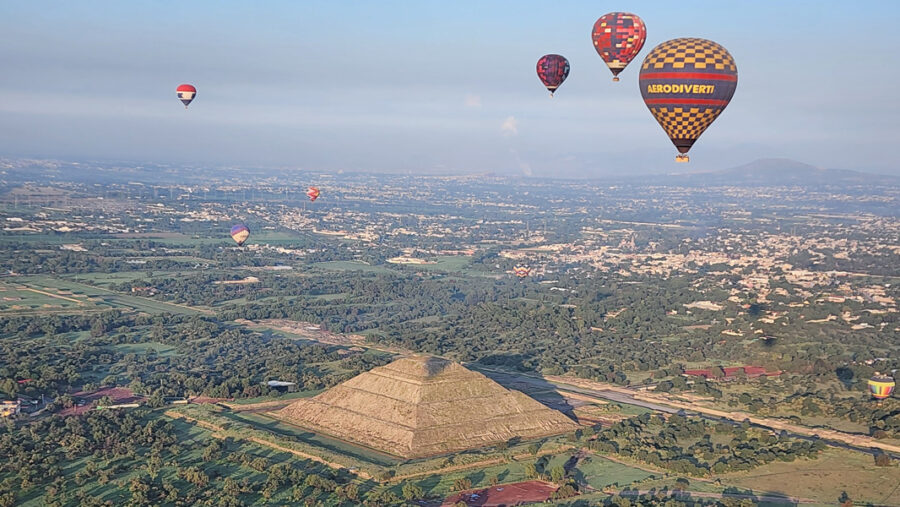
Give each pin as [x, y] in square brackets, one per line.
[329, 297]
[442, 485]
[350, 266]
[450, 263]
[191, 440]
[285, 396]
[107, 279]
[18, 296]
[291, 432]
[161, 349]
[824, 479]
[63, 291]
[599, 472]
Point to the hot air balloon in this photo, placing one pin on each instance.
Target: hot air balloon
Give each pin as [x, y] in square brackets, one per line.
[686, 84]
[522, 271]
[240, 233]
[186, 94]
[312, 193]
[552, 71]
[618, 38]
[881, 386]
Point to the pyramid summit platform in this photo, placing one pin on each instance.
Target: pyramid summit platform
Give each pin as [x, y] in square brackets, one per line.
[421, 406]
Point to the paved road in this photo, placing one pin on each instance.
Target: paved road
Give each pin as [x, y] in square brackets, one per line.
[830, 437]
[537, 383]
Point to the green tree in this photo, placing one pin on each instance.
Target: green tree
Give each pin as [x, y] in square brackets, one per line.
[411, 491]
[462, 484]
[557, 474]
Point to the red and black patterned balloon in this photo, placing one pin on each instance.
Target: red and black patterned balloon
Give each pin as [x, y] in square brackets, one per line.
[618, 38]
[552, 71]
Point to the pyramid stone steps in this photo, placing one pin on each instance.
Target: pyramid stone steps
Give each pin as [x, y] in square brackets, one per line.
[422, 405]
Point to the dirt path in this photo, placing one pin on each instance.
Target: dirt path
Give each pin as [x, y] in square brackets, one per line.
[313, 332]
[263, 406]
[858, 441]
[149, 301]
[824, 433]
[57, 296]
[198, 422]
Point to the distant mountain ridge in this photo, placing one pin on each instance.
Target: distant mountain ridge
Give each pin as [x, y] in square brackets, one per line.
[781, 172]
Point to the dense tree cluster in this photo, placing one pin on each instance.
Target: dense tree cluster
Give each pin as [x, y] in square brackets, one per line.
[697, 447]
[106, 448]
[211, 358]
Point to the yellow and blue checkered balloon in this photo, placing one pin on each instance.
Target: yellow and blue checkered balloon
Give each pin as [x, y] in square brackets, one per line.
[687, 83]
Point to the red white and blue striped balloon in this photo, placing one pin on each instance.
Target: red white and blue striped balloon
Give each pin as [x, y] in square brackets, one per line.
[186, 94]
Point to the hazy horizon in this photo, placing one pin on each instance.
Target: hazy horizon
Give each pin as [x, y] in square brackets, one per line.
[424, 89]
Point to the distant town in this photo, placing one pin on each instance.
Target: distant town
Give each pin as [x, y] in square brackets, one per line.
[757, 314]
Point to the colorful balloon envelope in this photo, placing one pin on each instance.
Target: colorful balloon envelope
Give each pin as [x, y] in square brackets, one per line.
[186, 94]
[522, 271]
[881, 386]
[686, 84]
[552, 70]
[312, 193]
[240, 233]
[618, 38]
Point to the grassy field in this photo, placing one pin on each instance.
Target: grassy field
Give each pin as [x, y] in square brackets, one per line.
[296, 433]
[448, 263]
[350, 266]
[442, 485]
[596, 471]
[286, 396]
[329, 297]
[82, 297]
[599, 472]
[160, 349]
[824, 479]
[108, 279]
[191, 440]
[17, 297]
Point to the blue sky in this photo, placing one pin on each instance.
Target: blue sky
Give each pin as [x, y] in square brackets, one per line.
[435, 86]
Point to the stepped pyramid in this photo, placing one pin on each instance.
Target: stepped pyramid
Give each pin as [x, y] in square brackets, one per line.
[422, 405]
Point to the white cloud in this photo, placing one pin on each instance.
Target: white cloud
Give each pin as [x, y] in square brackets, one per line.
[472, 100]
[510, 126]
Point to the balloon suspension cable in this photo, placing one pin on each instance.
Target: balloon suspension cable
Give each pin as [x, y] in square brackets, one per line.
[682, 158]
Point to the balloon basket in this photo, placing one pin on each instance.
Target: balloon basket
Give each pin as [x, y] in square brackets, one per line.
[615, 79]
[682, 158]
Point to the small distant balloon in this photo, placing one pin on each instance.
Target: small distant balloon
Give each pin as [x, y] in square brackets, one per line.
[618, 37]
[552, 70]
[240, 233]
[686, 84]
[312, 193]
[522, 271]
[186, 94]
[881, 386]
